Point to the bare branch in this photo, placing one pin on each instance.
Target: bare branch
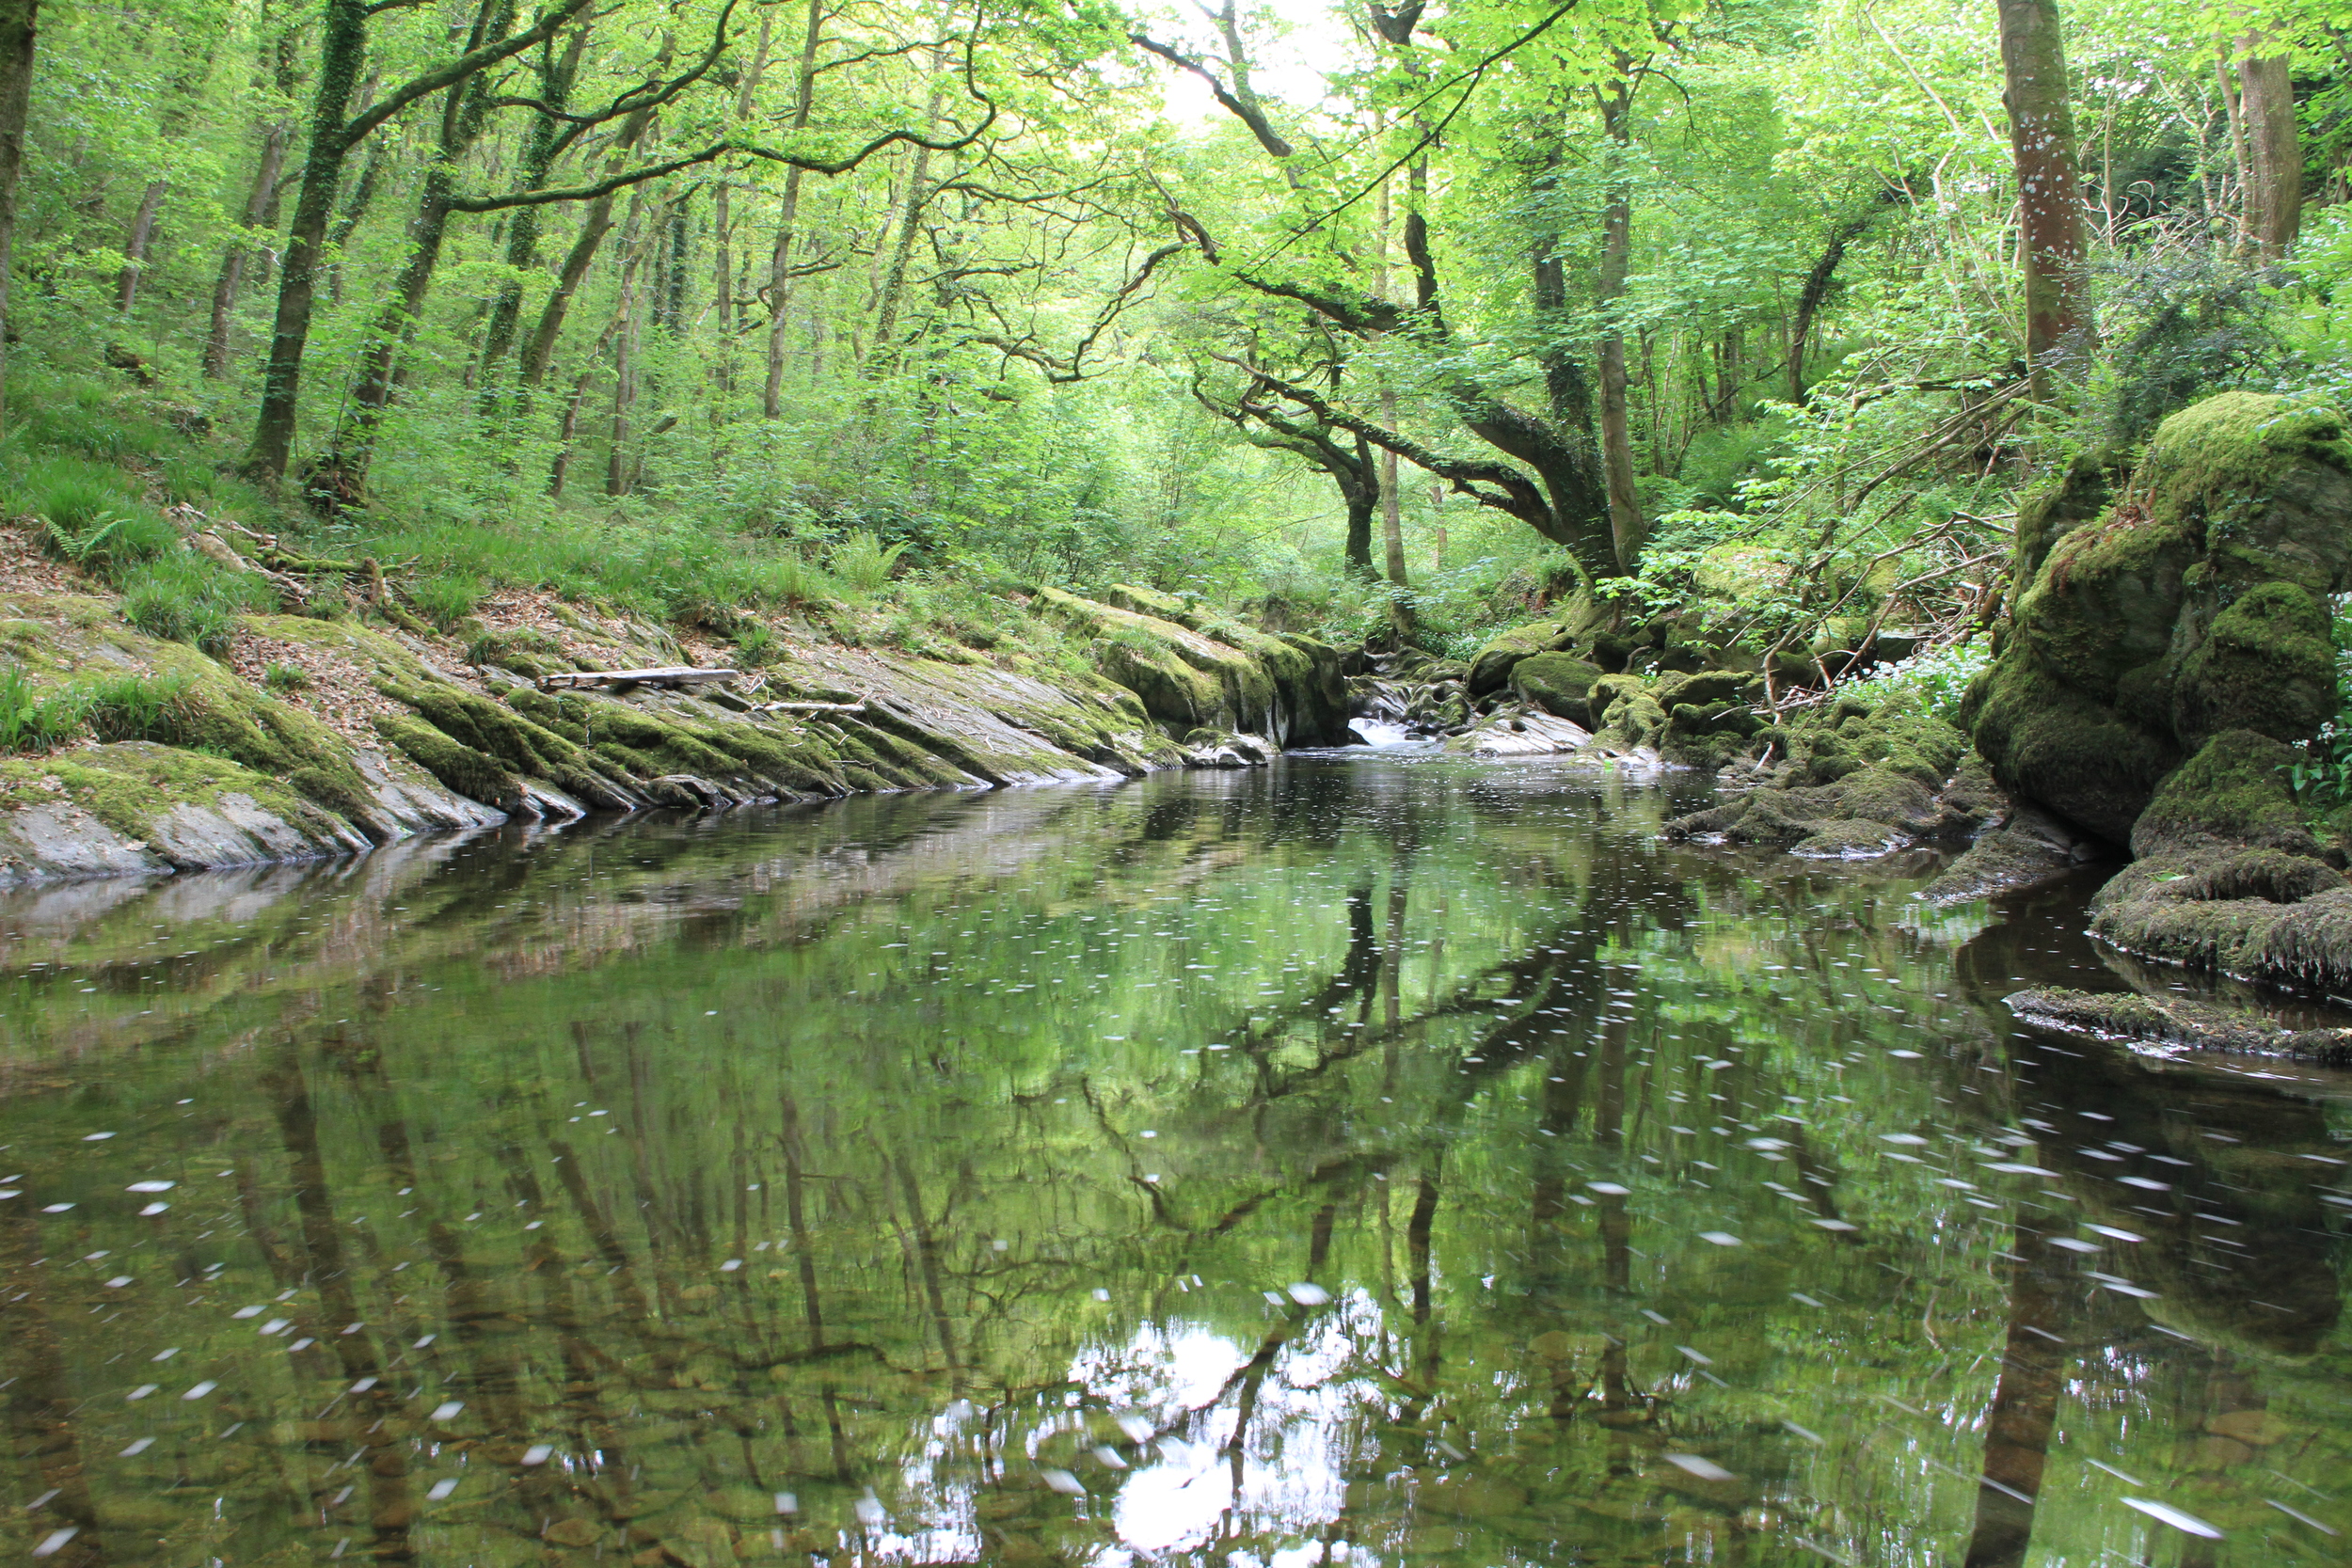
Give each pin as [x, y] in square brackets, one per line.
[1248, 114]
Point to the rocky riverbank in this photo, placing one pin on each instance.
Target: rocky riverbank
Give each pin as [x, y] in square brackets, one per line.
[317, 736]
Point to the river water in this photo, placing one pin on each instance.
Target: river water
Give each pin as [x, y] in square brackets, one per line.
[1374, 1160]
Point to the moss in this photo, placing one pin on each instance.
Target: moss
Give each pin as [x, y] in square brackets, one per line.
[1711, 687]
[229, 719]
[1490, 667]
[2234, 791]
[131, 786]
[2049, 742]
[2230, 452]
[2057, 508]
[1557, 683]
[2267, 664]
[471, 773]
[521, 747]
[2174, 1021]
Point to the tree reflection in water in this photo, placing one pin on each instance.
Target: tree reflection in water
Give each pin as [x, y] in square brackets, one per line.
[1382, 1161]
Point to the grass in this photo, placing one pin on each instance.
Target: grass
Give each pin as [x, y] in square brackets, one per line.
[134, 707]
[118, 707]
[36, 721]
[282, 677]
[186, 598]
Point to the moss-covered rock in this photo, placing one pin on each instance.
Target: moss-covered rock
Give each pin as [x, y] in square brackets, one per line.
[471, 772]
[1557, 683]
[2229, 877]
[2192, 602]
[2174, 1021]
[1222, 677]
[1490, 667]
[2267, 664]
[1858, 779]
[2232, 793]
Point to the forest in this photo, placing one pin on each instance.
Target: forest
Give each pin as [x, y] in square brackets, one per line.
[1379, 324]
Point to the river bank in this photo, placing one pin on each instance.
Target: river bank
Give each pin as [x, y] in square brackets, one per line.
[322, 734]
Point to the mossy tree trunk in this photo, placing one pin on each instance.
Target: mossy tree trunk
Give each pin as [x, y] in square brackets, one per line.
[342, 50]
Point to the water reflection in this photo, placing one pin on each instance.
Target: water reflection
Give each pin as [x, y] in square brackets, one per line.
[1383, 1161]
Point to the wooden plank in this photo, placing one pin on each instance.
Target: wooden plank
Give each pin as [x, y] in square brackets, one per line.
[668, 674]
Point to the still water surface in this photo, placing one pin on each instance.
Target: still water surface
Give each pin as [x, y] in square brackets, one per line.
[1382, 1160]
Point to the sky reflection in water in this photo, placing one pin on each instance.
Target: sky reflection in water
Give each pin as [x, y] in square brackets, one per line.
[1377, 1160]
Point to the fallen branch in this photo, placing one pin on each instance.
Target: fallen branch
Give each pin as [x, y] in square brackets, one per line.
[665, 676]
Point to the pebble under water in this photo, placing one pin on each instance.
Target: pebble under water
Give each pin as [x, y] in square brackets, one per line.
[1372, 1159]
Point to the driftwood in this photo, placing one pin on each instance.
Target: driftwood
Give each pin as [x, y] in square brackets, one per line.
[665, 676]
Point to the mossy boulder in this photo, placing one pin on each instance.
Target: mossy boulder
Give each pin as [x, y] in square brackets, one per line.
[1858, 779]
[1490, 668]
[2192, 602]
[2228, 878]
[2174, 1021]
[2232, 793]
[1560, 684]
[2267, 664]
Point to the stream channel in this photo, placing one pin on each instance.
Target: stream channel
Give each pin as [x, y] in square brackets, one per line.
[1381, 1158]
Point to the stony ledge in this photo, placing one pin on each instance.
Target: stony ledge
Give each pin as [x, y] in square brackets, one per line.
[391, 734]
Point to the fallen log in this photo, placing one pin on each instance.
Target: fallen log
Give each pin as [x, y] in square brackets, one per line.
[665, 676]
[809, 707]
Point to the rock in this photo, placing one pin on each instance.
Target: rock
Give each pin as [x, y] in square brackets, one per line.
[2174, 1021]
[1192, 673]
[577, 1533]
[2029, 847]
[1490, 667]
[2228, 878]
[1556, 683]
[2194, 602]
[1521, 735]
[1858, 782]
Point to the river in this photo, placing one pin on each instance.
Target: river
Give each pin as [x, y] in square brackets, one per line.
[1376, 1159]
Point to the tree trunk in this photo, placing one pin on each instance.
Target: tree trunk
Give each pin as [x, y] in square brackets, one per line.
[2042, 139]
[895, 281]
[1391, 514]
[340, 477]
[1616, 251]
[355, 209]
[233, 261]
[598, 223]
[1816, 288]
[17, 18]
[523, 234]
[616, 465]
[1391, 519]
[2274, 193]
[780, 259]
[1360, 500]
[343, 45]
[135, 246]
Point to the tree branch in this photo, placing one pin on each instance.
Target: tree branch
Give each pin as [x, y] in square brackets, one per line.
[549, 24]
[1248, 114]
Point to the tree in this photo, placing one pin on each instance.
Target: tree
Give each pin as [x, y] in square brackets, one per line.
[2041, 137]
[17, 19]
[335, 130]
